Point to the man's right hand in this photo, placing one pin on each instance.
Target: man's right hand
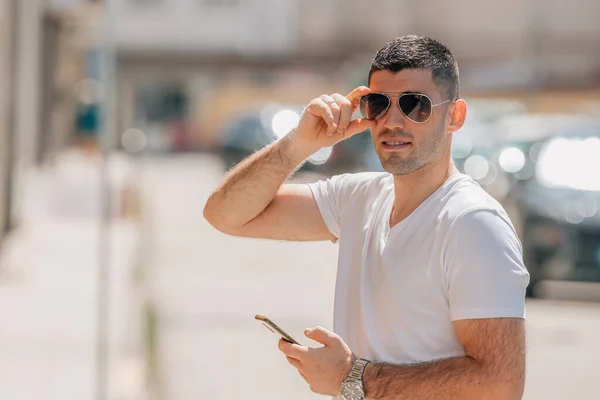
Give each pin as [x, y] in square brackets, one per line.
[327, 120]
[254, 201]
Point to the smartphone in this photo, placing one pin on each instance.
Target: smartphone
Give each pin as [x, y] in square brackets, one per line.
[275, 329]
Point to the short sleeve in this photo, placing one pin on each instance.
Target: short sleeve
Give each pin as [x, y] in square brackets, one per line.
[328, 194]
[486, 277]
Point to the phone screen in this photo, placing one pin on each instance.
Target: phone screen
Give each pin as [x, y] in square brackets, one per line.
[275, 329]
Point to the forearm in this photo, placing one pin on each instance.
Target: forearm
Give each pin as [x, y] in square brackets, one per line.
[249, 187]
[453, 378]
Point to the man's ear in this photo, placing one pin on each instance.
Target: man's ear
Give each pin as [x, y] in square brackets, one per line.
[457, 115]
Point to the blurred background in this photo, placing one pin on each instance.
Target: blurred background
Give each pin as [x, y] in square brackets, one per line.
[118, 117]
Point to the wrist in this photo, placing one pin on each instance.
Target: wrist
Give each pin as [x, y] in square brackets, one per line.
[353, 386]
[295, 149]
[348, 367]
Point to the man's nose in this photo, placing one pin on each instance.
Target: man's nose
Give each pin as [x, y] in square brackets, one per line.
[394, 119]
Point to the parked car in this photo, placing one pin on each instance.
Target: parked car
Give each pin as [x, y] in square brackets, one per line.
[253, 130]
[241, 137]
[552, 163]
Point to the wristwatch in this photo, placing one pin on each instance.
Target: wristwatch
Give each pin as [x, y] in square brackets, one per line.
[352, 387]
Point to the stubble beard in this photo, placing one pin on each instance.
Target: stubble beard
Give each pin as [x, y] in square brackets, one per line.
[426, 152]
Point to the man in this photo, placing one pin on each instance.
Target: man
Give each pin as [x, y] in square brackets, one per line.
[430, 289]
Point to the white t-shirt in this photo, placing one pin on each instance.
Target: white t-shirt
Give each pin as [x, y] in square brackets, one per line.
[457, 256]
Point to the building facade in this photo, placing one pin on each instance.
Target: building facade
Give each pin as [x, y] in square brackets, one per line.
[185, 65]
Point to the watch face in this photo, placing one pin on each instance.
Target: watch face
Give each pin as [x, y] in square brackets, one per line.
[352, 391]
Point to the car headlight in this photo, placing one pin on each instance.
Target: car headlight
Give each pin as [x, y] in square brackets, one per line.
[284, 121]
[570, 163]
[321, 156]
[511, 160]
[477, 167]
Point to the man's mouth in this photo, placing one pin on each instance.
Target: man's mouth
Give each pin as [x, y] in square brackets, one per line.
[396, 144]
[389, 143]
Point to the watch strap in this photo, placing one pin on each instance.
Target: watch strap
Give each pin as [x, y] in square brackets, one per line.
[357, 370]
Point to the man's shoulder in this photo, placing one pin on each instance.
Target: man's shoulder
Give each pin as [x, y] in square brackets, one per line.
[465, 199]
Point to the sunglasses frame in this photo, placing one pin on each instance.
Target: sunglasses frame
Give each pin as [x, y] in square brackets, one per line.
[399, 95]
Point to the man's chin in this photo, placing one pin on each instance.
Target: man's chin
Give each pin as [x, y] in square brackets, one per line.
[400, 169]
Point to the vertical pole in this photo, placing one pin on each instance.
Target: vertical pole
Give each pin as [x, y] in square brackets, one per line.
[9, 153]
[107, 77]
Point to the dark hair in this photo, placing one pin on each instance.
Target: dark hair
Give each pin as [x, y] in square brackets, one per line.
[420, 52]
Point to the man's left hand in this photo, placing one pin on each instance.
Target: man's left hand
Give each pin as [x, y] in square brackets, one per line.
[323, 368]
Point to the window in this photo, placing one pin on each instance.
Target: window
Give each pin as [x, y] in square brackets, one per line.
[216, 3]
[145, 2]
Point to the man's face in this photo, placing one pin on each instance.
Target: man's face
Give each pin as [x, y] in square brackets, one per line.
[429, 141]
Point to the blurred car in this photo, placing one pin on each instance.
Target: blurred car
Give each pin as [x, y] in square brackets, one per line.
[253, 130]
[355, 154]
[552, 165]
[474, 146]
[241, 137]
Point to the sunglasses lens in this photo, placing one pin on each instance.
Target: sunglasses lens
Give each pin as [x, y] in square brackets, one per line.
[416, 107]
[373, 105]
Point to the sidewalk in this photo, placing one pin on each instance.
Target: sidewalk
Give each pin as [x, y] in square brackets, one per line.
[48, 290]
[207, 287]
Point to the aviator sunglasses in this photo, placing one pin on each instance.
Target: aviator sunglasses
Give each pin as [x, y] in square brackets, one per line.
[417, 107]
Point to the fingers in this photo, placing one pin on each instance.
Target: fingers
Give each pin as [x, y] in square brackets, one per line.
[294, 362]
[355, 95]
[345, 112]
[336, 110]
[322, 335]
[303, 376]
[334, 107]
[292, 350]
[319, 109]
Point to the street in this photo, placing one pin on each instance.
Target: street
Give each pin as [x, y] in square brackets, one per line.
[49, 291]
[207, 287]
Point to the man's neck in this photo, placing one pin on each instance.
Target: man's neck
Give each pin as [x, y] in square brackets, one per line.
[413, 189]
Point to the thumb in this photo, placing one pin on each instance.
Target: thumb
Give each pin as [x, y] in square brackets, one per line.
[358, 125]
[321, 335]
